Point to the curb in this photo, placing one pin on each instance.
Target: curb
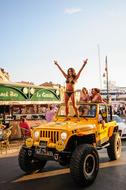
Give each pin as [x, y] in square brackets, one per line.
[12, 150]
[9, 153]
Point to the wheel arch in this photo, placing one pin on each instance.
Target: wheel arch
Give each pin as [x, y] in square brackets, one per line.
[75, 140]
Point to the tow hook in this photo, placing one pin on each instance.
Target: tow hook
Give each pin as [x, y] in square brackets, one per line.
[29, 152]
[56, 156]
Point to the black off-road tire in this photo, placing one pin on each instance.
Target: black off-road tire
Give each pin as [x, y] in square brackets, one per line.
[84, 165]
[29, 164]
[114, 149]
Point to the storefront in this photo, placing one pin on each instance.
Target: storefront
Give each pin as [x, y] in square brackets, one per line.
[30, 101]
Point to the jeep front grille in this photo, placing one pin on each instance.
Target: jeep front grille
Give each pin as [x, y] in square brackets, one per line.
[53, 135]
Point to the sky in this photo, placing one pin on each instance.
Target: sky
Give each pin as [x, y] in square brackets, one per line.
[34, 33]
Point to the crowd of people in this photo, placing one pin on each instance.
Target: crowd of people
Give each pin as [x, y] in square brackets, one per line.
[119, 109]
[95, 96]
[71, 78]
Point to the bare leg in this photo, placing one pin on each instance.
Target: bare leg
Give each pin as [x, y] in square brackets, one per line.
[66, 103]
[73, 102]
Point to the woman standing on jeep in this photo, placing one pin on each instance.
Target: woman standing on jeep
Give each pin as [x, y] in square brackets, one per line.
[71, 78]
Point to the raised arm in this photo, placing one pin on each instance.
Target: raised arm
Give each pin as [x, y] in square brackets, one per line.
[64, 74]
[78, 74]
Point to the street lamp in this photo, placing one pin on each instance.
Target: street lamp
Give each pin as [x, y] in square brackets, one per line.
[107, 82]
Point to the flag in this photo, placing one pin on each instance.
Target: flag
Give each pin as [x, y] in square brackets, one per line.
[104, 75]
[106, 66]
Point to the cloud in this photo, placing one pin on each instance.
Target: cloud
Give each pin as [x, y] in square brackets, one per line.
[72, 10]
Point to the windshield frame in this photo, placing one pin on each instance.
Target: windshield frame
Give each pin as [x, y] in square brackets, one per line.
[92, 107]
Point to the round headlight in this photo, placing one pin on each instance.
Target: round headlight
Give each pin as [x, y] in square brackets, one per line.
[36, 134]
[63, 135]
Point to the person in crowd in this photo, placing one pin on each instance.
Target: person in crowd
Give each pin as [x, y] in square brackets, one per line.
[101, 119]
[50, 113]
[84, 96]
[2, 127]
[25, 128]
[83, 110]
[71, 78]
[96, 96]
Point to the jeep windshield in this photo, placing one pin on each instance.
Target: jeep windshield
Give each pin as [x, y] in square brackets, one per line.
[84, 110]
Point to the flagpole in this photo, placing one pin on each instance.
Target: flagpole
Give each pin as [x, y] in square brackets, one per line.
[107, 82]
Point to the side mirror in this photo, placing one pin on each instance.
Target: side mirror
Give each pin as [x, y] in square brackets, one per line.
[123, 120]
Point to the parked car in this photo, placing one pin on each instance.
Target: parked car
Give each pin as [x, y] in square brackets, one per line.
[122, 125]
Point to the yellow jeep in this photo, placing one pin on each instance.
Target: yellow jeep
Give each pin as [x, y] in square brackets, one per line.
[72, 142]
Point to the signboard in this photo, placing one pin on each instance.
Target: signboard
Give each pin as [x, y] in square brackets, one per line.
[8, 93]
[44, 95]
[28, 94]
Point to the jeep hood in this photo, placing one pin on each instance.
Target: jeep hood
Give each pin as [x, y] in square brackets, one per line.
[69, 125]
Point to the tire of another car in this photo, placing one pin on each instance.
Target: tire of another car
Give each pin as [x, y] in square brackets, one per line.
[84, 165]
[29, 164]
[114, 149]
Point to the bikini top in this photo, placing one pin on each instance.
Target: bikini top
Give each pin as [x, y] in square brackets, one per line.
[70, 80]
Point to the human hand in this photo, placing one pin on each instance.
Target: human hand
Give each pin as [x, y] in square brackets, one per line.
[85, 61]
[55, 62]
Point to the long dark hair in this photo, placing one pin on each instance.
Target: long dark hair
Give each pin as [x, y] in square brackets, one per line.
[73, 71]
[69, 76]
